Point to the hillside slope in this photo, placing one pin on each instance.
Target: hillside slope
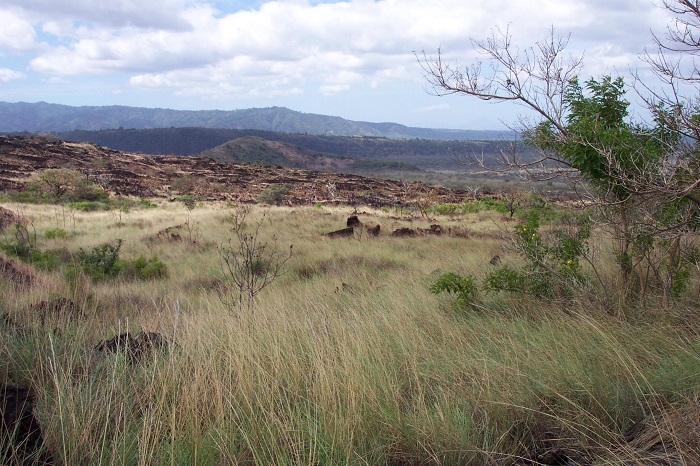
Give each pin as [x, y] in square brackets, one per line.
[164, 176]
[426, 154]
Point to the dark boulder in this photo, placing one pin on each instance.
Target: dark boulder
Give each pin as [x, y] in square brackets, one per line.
[353, 221]
[134, 347]
[21, 441]
[404, 232]
[343, 233]
[19, 275]
[57, 309]
[7, 218]
[373, 230]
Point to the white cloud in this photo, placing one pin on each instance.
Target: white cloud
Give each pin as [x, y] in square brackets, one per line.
[16, 34]
[433, 108]
[160, 14]
[188, 47]
[7, 75]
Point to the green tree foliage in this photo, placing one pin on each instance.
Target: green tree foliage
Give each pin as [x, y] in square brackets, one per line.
[643, 180]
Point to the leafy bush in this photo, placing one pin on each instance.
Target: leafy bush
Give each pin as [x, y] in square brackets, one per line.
[553, 263]
[88, 206]
[189, 201]
[274, 194]
[462, 289]
[142, 268]
[505, 278]
[101, 261]
[22, 243]
[469, 207]
[56, 233]
[145, 203]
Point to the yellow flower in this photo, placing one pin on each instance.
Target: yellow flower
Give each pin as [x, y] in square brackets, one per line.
[533, 236]
[569, 262]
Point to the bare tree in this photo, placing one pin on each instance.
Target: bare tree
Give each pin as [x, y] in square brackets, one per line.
[250, 262]
[535, 77]
[644, 180]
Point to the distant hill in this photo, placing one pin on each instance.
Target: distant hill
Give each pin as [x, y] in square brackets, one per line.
[427, 154]
[42, 116]
[255, 149]
[168, 176]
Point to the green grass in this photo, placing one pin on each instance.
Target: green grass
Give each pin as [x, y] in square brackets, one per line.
[347, 358]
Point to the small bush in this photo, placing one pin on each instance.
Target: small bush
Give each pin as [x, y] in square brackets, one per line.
[142, 268]
[274, 194]
[101, 262]
[88, 206]
[56, 233]
[45, 260]
[505, 278]
[469, 207]
[189, 201]
[145, 203]
[462, 289]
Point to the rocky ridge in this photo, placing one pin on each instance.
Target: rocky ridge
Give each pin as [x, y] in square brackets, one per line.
[142, 175]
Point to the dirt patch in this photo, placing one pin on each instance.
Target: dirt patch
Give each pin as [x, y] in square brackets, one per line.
[16, 273]
[7, 218]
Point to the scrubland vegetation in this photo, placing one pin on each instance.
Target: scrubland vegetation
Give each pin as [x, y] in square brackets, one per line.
[353, 354]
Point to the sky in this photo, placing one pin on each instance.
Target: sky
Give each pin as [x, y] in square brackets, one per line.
[354, 59]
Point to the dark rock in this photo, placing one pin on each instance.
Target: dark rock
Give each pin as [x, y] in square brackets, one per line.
[7, 218]
[20, 275]
[134, 347]
[345, 232]
[495, 260]
[170, 234]
[59, 308]
[433, 230]
[21, 441]
[404, 232]
[353, 221]
[373, 230]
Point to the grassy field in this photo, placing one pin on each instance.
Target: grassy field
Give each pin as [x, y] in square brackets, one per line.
[345, 358]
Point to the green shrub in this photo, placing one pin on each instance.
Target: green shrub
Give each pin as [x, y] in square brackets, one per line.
[505, 278]
[552, 262]
[23, 242]
[101, 262]
[88, 206]
[469, 207]
[45, 260]
[274, 194]
[142, 268]
[145, 203]
[189, 201]
[56, 233]
[462, 289]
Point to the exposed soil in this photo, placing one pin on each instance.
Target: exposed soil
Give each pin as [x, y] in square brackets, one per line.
[165, 176]
[7, 217]
[16, 273]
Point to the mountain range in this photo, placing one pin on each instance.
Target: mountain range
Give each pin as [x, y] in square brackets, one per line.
[37, 117]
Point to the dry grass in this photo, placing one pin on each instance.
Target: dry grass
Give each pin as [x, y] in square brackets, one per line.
[346, 359]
